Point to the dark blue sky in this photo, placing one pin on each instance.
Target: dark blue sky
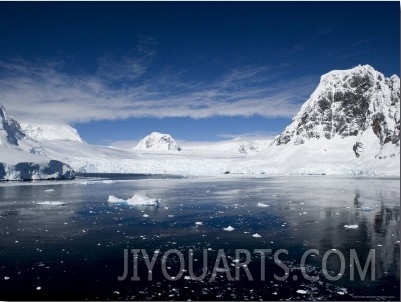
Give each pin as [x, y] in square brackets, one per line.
[197, 70]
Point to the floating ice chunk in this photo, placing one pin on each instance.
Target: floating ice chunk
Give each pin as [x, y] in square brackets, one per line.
[49, 190]
[114, 199]
[108, 181]
[38, 288]
[262, 205]
[86, 182]
[143, 200]
[145, 215]
[366, 209]
[51, 203]
[6, 278]
[351, 226]
[187, 278]
[302, 292]
[198, 222]
[229, 229]
[256, 235]
[136, 200]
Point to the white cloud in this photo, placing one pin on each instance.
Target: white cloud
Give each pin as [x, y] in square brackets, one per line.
[43, 91]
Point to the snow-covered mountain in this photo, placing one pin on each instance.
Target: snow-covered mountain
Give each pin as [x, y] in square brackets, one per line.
[350, 125]
[12, 136]
[360, 104]
[158, 142]
[51, 132]
[22, 157]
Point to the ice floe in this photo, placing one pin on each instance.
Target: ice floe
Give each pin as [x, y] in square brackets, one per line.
[136, 200]
[229, 229]
[351, 226]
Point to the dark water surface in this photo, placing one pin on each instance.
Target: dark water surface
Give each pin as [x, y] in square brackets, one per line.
[65, 241]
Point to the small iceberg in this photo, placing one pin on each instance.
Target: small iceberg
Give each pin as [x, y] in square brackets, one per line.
[49, 190]
[262, 205]
[256, 235]
[51, 203]
[301, 292]
[351, 226]
[229, 229]
[136, 200]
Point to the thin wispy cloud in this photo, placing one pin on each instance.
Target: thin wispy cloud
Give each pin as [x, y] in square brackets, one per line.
[42, 91]
[128, 67]
[312, 40]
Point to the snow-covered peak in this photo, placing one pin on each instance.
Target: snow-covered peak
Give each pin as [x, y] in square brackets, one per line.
[248, 148]
[158, 142]
[49, 132]
[338, 77]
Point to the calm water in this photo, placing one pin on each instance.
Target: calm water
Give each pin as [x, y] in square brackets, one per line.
[64, 241]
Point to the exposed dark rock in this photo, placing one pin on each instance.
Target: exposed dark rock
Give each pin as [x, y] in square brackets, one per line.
[358, 146]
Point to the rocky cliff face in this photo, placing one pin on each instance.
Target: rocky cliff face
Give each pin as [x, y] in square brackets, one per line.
[350, 103]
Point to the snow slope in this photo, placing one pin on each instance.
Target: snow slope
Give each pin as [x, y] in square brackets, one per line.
[51, 132]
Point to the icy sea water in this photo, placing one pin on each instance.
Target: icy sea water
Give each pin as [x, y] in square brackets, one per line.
[64, 241]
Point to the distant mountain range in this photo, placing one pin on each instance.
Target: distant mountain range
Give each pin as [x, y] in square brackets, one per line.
[350, 125]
